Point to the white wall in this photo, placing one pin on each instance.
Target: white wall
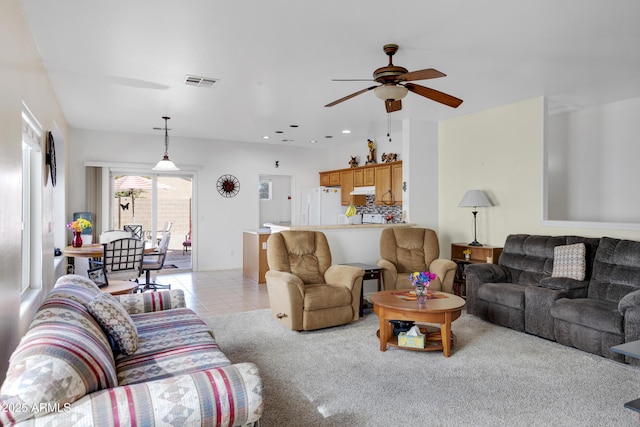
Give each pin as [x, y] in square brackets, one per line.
[219, 220]
[500, 151]
[592, 156]
[23, 79]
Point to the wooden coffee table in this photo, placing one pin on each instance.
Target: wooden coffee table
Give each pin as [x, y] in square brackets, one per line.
[442, 311]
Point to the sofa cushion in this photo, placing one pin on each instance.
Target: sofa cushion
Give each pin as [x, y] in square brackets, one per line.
[64, 355]
[569, 261]
[115, 320]
[318, 297]
[529, 258]
[616, 269]
[595, 314]
[170, 343]
[507, 294]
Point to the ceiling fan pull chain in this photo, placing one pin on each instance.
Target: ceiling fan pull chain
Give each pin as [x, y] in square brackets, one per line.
[389, 126]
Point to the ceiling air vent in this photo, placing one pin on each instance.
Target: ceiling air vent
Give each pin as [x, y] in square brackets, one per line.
[199, 81]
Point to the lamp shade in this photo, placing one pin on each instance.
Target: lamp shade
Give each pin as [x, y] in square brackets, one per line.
[475, 199]
[165, 165]
[391, 91]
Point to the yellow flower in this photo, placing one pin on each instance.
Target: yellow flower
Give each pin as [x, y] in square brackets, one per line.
[79, 224]
[467, 251]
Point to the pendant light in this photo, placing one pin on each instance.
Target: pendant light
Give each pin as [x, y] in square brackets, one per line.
[165, 164]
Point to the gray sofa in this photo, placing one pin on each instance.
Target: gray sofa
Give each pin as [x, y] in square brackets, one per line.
[593, 314]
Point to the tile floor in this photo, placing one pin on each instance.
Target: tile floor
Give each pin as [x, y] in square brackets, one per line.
[209, 293]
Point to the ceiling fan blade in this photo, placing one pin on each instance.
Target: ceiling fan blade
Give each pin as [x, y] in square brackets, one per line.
[393, 105]
[435, 95]
[351, 80]
[350, 96]
[428, 73]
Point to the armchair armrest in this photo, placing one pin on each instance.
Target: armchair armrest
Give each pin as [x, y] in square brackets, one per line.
[343, 275]
[389, 273]
[147, 302]
[563, 284]
[485, 273]
[224, 396]
[445, 269]
[286, 296]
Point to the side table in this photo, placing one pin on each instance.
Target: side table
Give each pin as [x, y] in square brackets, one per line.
[631, 349]
[478, 255]
[371, 272]
[120, 287]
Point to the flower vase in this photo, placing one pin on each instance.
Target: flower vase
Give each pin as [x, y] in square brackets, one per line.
[76, 242]
[421, 295]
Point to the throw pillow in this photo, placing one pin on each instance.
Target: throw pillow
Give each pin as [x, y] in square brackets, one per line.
[569, 261]
[116, 322]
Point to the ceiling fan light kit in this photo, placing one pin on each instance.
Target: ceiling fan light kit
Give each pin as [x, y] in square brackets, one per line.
[394, 85]
[165, 165]
[391, 92]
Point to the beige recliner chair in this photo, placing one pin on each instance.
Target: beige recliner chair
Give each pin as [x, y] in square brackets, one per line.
[306, 292]
[407, 250]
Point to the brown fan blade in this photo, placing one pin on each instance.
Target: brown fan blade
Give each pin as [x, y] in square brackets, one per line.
[429, 73]
[350, 96]
[393, 105]
[437, 96]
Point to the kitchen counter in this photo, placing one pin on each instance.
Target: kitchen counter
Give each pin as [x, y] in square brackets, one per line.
[254, 254]
[349, 243]
[279, 227]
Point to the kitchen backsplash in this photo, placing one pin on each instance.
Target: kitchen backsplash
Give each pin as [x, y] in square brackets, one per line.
[371, 208]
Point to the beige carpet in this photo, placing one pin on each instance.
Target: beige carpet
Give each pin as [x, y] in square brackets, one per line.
[495, 377]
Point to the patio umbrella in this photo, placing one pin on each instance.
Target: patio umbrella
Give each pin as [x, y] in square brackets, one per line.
[135, 182]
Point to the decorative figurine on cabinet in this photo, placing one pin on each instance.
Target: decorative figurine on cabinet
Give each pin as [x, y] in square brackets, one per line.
[391, 157]
[371, 158]
[353, 162]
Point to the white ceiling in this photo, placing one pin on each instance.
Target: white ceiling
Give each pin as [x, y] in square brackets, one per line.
[119, 65]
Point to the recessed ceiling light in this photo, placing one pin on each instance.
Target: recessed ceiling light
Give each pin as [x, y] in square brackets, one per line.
[313, 141]
[265, 137]
[346, 131]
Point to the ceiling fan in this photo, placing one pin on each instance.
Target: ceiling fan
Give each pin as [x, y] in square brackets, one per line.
[395, 84]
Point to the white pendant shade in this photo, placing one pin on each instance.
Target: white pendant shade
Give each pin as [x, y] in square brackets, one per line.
[165, 165]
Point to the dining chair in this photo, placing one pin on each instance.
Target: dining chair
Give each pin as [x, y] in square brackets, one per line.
[135, 229]
[154, 261]
[121, 260]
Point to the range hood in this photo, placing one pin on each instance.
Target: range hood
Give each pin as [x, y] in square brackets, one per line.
[358, 191]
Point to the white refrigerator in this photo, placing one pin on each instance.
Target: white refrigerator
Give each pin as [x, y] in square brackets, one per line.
[320, 206]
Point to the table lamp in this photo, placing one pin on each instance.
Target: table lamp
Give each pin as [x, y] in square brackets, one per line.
[475, 199]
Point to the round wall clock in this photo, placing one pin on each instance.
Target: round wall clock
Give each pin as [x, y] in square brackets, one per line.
[51, 158]
[228, 185]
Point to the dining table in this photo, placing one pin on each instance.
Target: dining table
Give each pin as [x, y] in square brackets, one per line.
[96, 250]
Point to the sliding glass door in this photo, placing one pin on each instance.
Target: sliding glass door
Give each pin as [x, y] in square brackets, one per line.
[149, 203]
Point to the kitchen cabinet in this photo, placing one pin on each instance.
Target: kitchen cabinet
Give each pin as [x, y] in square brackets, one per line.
[358, 177]
[330, 178]
[334, 178]
[384, 195]
[347, 183]
[324, 179]
[369, 176]
[386, 177]
[396, 182]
